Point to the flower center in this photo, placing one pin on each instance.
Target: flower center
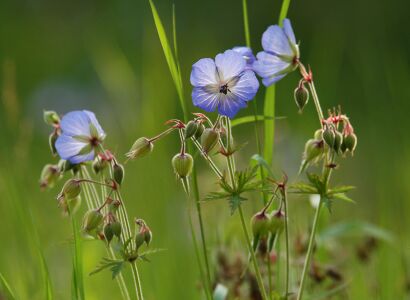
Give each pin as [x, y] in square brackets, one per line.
[94, 141]
[224, 89]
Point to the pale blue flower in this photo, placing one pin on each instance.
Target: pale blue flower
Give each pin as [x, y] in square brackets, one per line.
[80, 135]
[225, 84]
[280, 55]
[246, 53]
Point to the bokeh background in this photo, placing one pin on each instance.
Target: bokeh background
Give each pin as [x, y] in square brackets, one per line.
[106, 56]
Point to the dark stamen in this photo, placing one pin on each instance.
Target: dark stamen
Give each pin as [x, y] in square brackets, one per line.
[224, 89]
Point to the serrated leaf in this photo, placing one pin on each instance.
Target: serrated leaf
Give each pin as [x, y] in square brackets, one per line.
[316, 181]
[302, 188]
[342, 196]
[340, 189]
[114, 265]
[328, 203]
[234, 202]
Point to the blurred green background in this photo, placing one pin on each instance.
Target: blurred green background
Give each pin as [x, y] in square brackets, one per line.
[105, 56]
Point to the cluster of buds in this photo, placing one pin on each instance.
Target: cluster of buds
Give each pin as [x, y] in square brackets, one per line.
[51, 118]
[338, 134]
[143, 234]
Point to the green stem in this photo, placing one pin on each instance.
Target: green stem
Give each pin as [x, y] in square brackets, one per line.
[255, 263]
[285, 205]
[137, 281]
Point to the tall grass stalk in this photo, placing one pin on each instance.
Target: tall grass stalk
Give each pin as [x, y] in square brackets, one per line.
[174, 67]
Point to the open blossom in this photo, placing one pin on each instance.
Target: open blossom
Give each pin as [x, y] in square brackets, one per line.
[225, 84]
[246, 53]
[80, 136]
[280, 55]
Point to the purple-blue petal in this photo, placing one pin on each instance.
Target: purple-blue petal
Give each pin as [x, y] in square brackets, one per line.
[203, 98]
[246, 87]
[68, 147]
[75, 123]
[204, 72]
[229, 64]
[94, 121]
[82, 158]
[230, 105]
[287, 28]
[269, 66]
[274, 40]
[246, 53]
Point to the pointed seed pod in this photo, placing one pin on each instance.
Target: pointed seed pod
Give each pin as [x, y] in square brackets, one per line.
[318, 134]
[92, 220]
[209, 139]
[49, 176]
[118, 170]
[99, 165]
[190, 129]
[329, 136]
[182, 164]
[141, 147]
[301, 95]
[313, 148]
[52, 142]
[116, 228]
[260, 223]
[199, 131]
[338, 141]
[139, 239]
[51, 117]
[71, 189]
[108, 232]
[277, 222]
[350, 142]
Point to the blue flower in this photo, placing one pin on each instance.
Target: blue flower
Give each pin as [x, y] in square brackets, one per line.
[280, 55]
[224, 83]
[246, 53]
[80, 136]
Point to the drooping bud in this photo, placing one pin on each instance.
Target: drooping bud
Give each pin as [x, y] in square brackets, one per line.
[92, 219]
[71, 189]
[141, 147]
[199, 131]
[190, 129]
[99, 165]
[260, 224]
[49, 176]
[338, 141]
[329, 136]
[116, 228]
[209, 139]
[318, 134]
[349, 143]
[144, 235]
[108, 232]
[313, 148]
[182, 164]
[118, 172]
[301, 95]
[277, 222]
[51, 117]
[52, 142]
[113, 205]
[69, 206]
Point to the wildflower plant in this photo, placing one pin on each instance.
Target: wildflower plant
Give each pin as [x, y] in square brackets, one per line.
[225, 84]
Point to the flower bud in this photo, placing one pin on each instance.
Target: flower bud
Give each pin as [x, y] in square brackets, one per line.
[301, 95]
[313, 148]
[52, 142]
[190, 129]
[118, 172]
[140, 148]
[349, 143]
[51, 117]
[92, 219]
[329, 136]
[277, 222]
[318, 134]
[144, 235]
[209, 139]
[99, 165]
[199, 131]
[113, 206]
[116, 228]
[71, 189]
[182, 164]
[260, 224]
[49, 176]
[108, 232]
[65, 165]
[338, 141]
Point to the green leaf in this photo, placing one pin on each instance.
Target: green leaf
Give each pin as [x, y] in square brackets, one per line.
[6, 288]
[234, 202]
[220, 292]
[340, 189]
[328, 203]
[249, 119]
[169, 56]
[114, 265]
[146, 253]
[317, 181]
[302, 188]
[342, 196]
